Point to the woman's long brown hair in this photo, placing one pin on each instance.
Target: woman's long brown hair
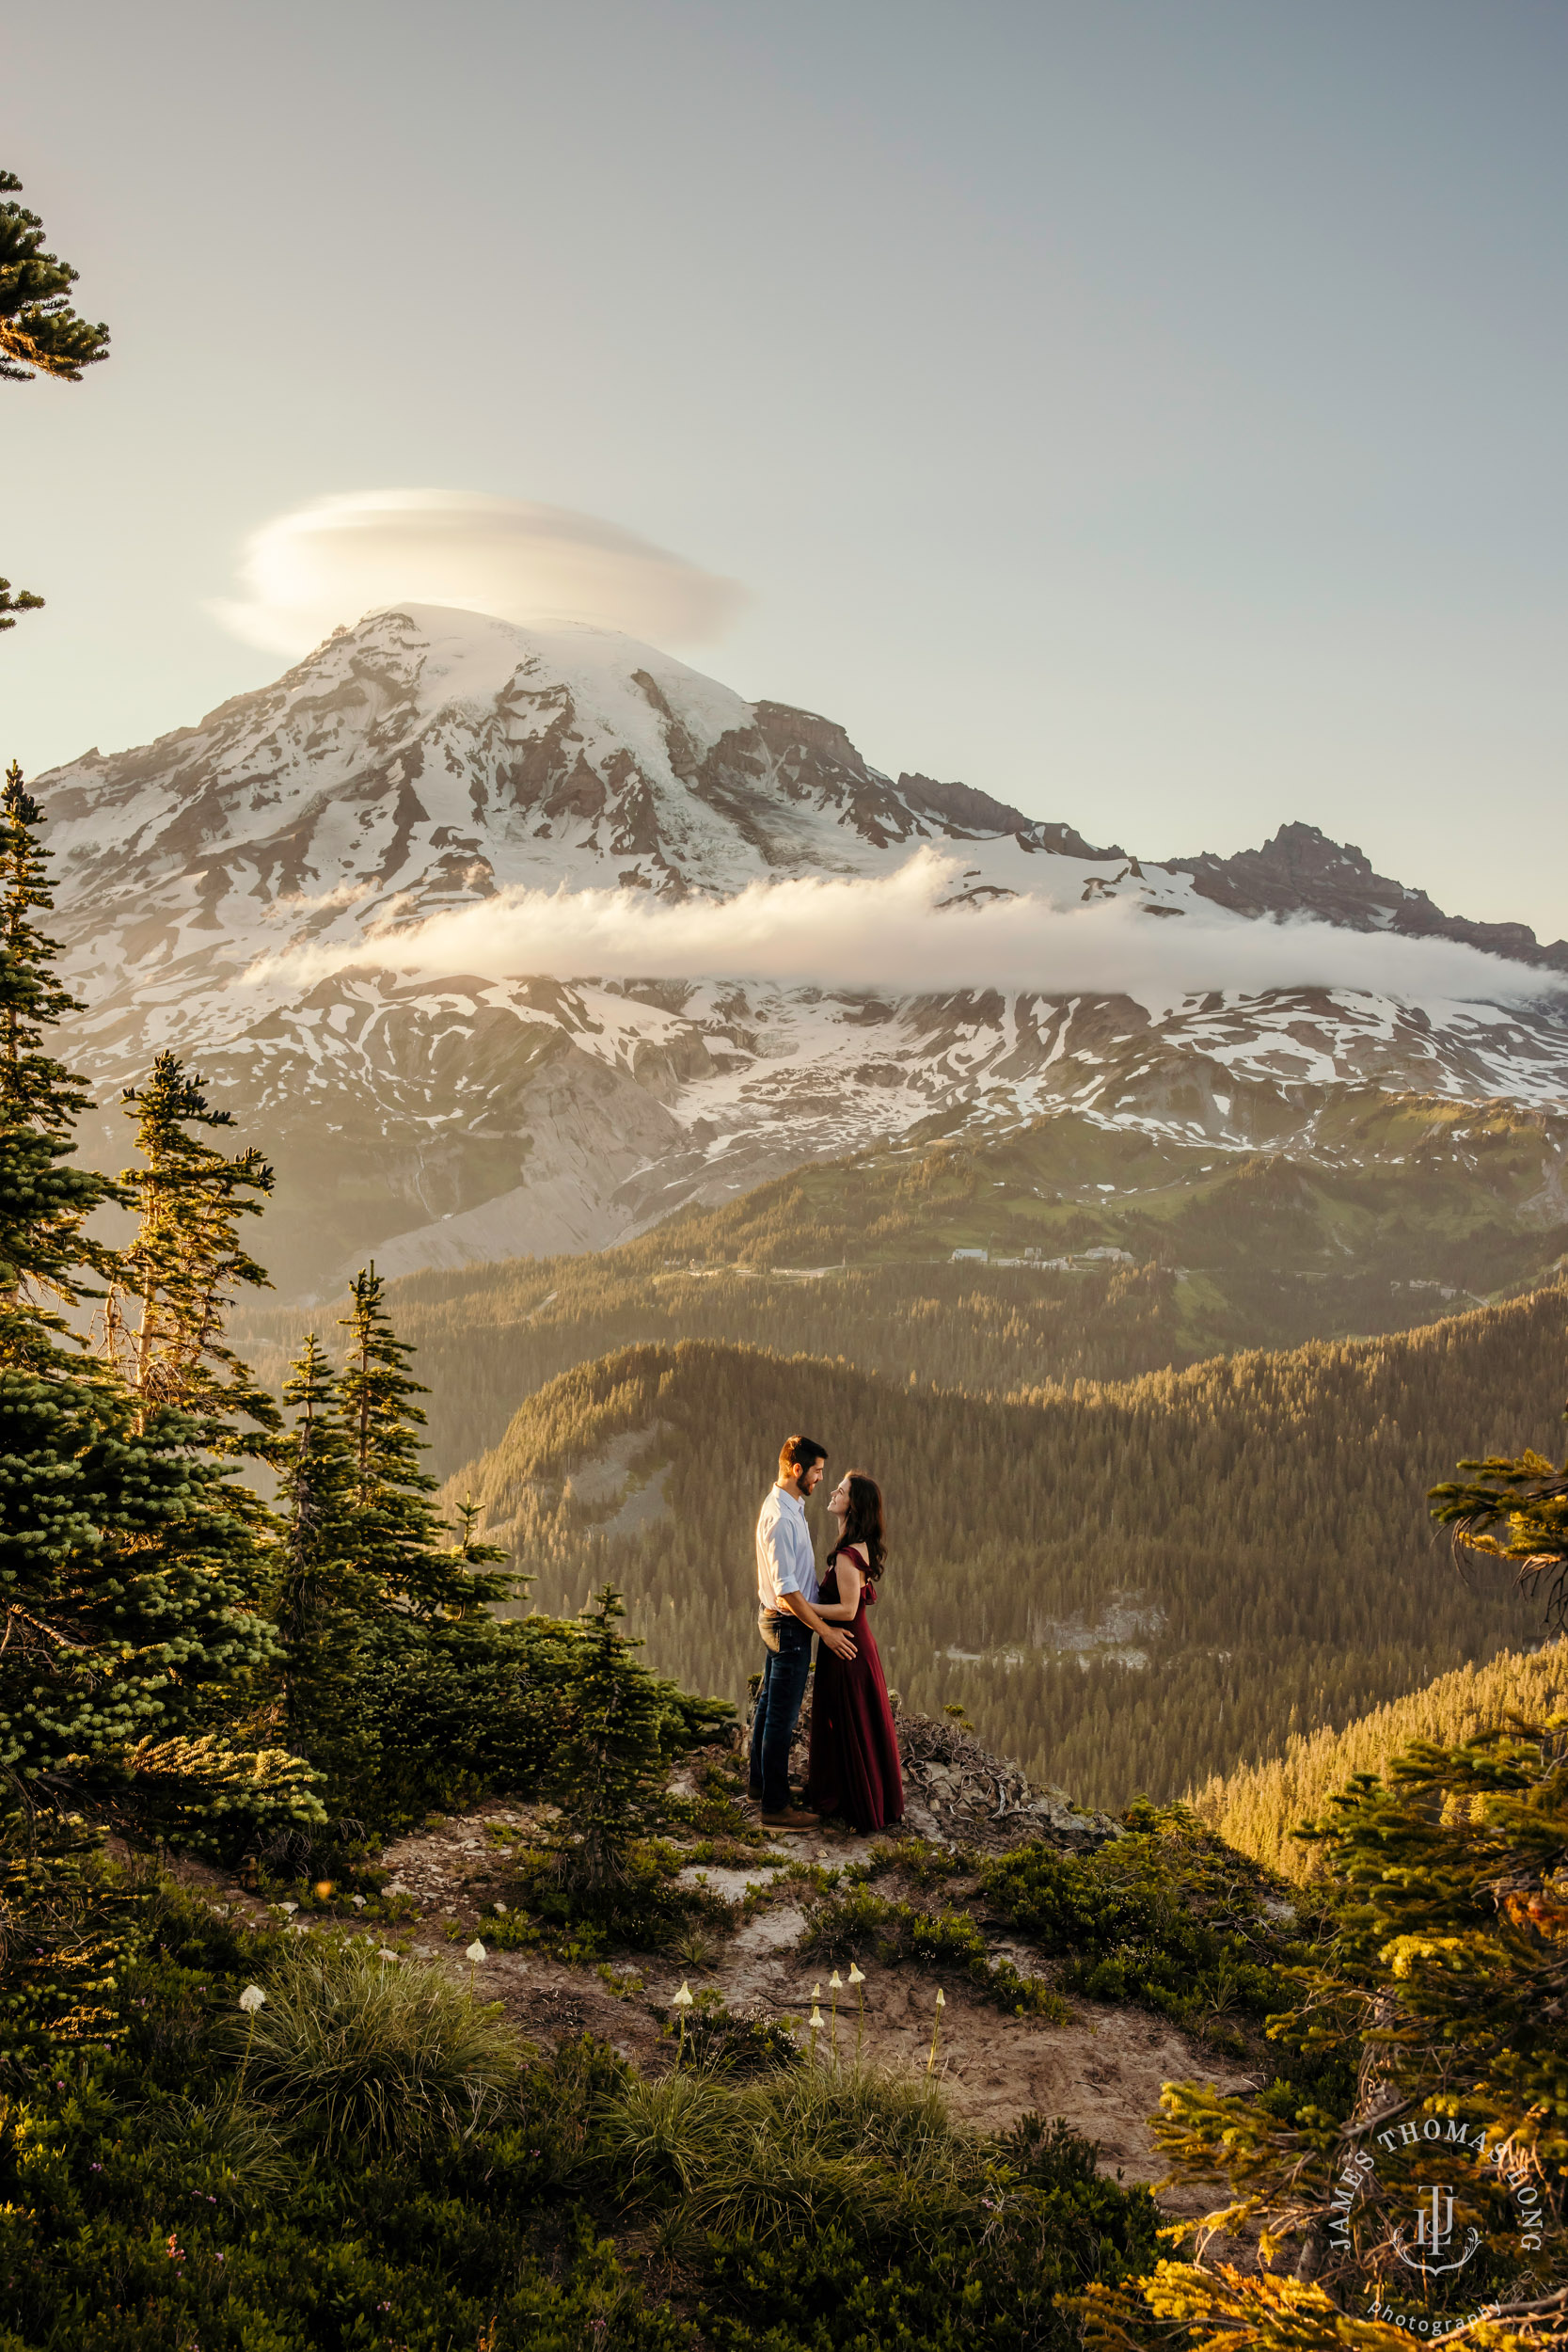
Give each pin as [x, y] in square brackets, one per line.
[863, 1524]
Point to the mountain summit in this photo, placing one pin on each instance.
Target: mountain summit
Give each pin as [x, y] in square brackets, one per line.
[427, 759]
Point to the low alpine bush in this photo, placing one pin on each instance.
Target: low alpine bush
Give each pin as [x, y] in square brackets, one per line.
[1168, 1917]
[860, 1924]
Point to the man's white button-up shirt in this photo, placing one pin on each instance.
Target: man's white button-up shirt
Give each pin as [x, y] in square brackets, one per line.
[785, 1560]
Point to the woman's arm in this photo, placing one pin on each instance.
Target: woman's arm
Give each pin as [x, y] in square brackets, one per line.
[842, 1611]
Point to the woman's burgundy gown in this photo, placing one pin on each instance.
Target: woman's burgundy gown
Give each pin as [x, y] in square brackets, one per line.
[853, 1770]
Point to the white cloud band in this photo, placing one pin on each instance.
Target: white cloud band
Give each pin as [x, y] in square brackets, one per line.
[321, 568]
[893, 933]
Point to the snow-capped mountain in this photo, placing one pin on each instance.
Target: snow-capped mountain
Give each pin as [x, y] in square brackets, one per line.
[238, 891]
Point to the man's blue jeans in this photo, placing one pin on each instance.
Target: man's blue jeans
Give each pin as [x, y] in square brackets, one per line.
[784, 1686]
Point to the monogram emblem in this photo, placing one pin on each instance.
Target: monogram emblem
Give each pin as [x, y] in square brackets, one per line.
[1433, 2235]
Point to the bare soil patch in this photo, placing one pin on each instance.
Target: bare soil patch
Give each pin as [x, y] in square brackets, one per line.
[1103, 2071]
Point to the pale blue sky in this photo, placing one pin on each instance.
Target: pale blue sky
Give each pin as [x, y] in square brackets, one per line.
[1153, 414]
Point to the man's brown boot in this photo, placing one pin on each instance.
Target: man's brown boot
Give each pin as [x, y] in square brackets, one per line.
[794, 1819]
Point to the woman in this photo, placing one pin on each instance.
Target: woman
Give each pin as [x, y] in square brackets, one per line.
[854, 1770]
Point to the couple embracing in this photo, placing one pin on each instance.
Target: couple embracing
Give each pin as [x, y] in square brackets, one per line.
[853, 1774]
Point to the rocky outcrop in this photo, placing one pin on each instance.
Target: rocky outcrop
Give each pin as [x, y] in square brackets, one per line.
[1301, 871]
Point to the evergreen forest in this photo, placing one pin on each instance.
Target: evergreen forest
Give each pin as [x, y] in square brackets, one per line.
[1130, 1588]
[1403, 1207]
[1259, 1808]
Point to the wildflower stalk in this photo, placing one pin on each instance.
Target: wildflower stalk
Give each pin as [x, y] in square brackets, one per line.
[859, 1983]
[936, 2031]
[682, 2002]
[250, 2001]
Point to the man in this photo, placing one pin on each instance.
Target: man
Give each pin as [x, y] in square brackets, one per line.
[786, 1592]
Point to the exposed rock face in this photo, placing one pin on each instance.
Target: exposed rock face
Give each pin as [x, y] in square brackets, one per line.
[960, 809]
[426, 759]
[1302, 872]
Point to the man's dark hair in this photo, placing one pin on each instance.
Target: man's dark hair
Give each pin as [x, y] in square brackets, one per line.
[798, 1453]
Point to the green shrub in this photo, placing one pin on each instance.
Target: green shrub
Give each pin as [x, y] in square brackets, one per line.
[860, 1925]
[1169, 1918]
[1038, 2223]
[441, 1715]
[913, 1858]
[725, 2041]
[644, 1909]
[356, 2047]
[67, 1922]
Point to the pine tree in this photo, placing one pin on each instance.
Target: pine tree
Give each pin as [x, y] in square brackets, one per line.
[1422, 2042]
[1513, 1509]
[164, 1318]
[129, 1576]
[45, 1200]
[24, 601]
[39, 328]
[40, 331]
[325, 1597]
[399, 1536]
[609, 1772]
[129, 1568]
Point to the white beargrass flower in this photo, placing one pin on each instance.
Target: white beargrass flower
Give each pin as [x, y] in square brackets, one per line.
[936, 2029]
[251, 1999]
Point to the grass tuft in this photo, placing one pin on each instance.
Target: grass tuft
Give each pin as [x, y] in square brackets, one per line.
[375, 2052]
[235, 2145]
[790, 2155]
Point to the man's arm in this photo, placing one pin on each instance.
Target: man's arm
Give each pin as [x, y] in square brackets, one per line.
[834, 1636]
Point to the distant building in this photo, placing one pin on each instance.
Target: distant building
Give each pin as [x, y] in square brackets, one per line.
[982, 1257]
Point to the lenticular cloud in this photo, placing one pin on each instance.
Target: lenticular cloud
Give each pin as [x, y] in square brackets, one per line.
[910, 933]
[308, 573]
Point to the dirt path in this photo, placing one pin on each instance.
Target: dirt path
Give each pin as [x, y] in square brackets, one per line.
[1103, 2071]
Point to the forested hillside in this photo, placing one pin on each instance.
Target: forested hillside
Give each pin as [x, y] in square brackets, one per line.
[1354, 1182]
[1130, 1587]
[485, 1348]
[1257, 1806]
[1398, 1203]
